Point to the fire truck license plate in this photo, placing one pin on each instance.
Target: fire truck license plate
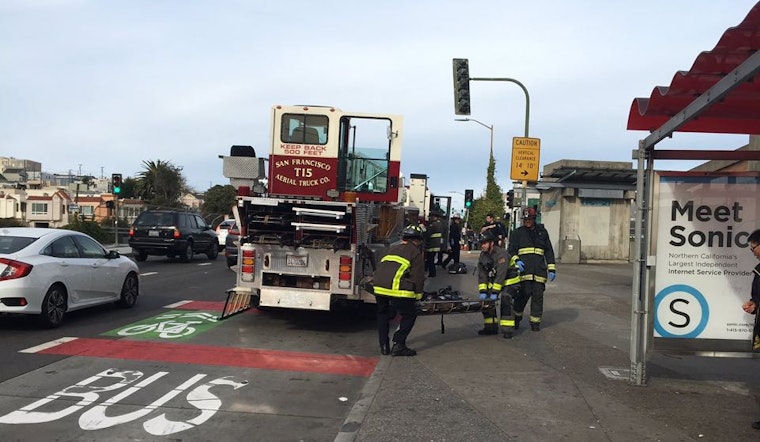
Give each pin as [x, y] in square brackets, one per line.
[297, 260]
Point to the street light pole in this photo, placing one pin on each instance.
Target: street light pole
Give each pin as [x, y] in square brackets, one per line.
[490, 128]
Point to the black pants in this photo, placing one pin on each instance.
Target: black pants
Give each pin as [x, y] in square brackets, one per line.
[387, 308]
[453, 255]
[430, 262]
[507, 321]
[535, 292]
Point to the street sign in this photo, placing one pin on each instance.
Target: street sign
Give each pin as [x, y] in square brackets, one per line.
[525, 155]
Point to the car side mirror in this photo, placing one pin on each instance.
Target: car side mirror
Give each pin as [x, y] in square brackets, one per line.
[113, 254]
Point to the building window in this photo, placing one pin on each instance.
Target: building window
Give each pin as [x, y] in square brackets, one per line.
[39, 208]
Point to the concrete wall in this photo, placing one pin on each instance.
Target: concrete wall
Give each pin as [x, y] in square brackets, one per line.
[600, 227]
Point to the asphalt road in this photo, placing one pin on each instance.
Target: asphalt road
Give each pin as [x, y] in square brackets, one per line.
[166, 370]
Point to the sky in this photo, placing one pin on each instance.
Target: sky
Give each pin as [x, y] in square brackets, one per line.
[99, 87]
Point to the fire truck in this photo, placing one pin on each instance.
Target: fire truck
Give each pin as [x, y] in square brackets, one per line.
[316, 210]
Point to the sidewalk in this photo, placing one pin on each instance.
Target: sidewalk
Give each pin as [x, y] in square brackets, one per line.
[567, 382]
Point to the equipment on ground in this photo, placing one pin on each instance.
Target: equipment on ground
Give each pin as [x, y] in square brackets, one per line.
[458, 269]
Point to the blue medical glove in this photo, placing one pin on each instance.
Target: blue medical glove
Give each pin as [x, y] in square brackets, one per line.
[494, 296]
[520, 265]
[483, 296]
[552, 275]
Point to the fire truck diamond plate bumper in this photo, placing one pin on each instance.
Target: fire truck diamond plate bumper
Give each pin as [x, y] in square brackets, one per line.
[295, 298]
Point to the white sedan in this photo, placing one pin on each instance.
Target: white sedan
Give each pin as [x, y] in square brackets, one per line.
[48, 272]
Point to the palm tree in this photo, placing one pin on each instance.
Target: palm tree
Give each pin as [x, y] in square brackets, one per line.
[161, 184]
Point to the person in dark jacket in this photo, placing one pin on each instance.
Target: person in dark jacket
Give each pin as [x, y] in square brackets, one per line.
[455, 239]
[751, 306]
[496, 280]
[397, 284]
[531, 250]
[433, 241]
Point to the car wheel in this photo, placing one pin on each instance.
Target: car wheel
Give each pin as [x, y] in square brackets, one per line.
[187, 254]
[129, 291]
[54, 306]
[213, 252]
[141, 256]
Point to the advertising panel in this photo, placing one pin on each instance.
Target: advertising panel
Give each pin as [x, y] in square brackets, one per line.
[704, 266]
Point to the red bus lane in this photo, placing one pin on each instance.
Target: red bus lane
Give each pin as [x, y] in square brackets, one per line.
[130, 388]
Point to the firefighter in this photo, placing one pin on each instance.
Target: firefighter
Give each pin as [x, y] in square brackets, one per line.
[493, 276]
[433, 241]
[532, 252]
[397, 283]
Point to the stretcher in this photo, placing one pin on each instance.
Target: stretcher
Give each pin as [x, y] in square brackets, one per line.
[450, 306]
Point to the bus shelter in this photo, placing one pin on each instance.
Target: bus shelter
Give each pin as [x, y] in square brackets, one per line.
[692, 267]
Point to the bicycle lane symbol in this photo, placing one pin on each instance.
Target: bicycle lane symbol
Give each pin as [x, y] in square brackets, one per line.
[173, 325]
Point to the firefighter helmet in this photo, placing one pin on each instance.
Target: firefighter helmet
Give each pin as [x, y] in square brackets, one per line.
[487, 236]
[411, 232]
[528, 213]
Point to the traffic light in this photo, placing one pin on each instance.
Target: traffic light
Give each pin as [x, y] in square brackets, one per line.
[116, 182]
[511, 199]
[461, 86]
[467, 198]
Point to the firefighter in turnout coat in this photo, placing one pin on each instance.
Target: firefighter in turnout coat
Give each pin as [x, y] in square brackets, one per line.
[531, 251]
[496, 279]
[397, 284]
[433, 241]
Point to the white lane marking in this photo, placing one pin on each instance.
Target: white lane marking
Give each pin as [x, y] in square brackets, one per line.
[47, 345]
[177, 304]
[148, 273]
[205, 264]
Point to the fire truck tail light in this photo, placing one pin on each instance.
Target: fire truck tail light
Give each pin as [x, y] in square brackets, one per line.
[247, 262]
[344, 271]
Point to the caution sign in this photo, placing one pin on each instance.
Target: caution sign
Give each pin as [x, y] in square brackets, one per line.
[525, 156]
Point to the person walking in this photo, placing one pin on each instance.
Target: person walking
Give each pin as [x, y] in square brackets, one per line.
[531, 251]
[751, 306]
[455, 240]
[494, 282]
[397, 285]
[433, 239]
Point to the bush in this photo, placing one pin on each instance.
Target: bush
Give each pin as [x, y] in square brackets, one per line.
[89, 227]
[12, 222]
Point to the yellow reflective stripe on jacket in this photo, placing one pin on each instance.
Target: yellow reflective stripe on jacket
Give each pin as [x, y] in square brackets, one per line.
[436, 235]
[551, 267]
[395, 290]
[397, 293]
[482, 287]
[513, 280]
[530, 250]
[496, 286]
[532, 278]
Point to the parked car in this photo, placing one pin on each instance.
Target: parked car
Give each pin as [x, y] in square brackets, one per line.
[231, 246]
[50, 272]
[172, 233]
[221, 231]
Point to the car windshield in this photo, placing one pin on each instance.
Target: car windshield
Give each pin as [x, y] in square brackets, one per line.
[12, 244]
[155, 219]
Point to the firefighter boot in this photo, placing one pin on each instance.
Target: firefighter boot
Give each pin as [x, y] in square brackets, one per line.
[487, 331]
[517, 322]
[535, 326]
[402, 350]
[385, 348]
[508, 334]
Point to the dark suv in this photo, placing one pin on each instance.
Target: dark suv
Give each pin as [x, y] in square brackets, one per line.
[173, 234]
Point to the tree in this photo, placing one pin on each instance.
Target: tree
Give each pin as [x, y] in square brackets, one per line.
[492, 201]
[161, 184]
[218, 202]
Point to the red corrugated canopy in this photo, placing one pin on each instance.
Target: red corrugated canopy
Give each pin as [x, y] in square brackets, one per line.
[737, 113]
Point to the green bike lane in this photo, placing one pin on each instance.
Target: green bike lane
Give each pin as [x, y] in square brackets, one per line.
[184, 374]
